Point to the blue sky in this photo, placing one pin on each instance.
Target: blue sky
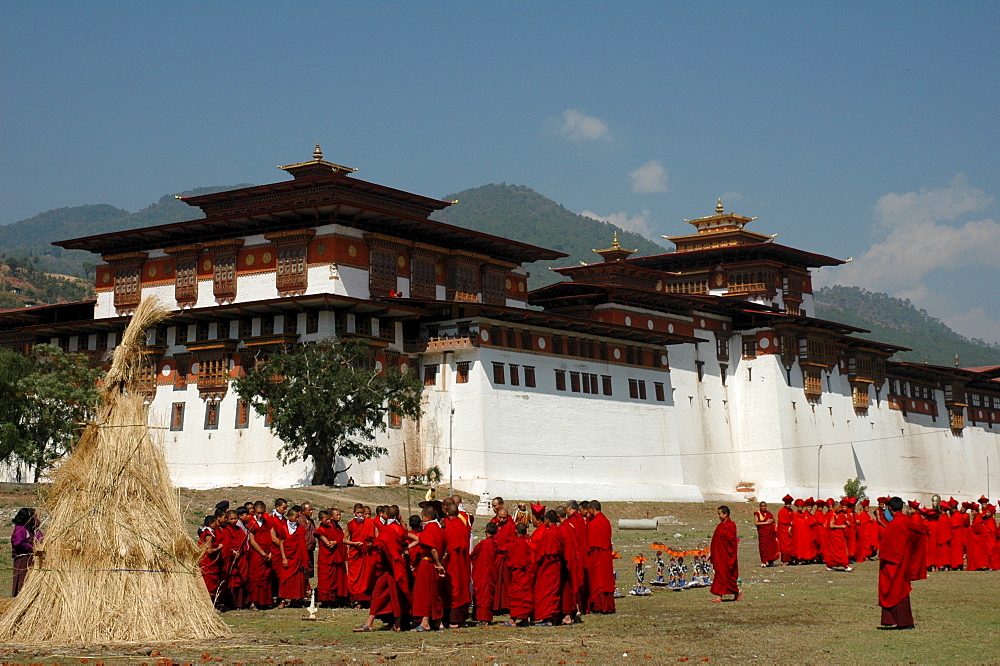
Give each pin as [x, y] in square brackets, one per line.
[854, 129]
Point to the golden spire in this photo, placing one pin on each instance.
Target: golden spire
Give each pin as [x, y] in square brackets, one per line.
[318, 152]
[718, 207]
[616, 252]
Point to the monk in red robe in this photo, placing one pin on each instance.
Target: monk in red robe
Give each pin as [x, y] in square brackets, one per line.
[784, 529]
[835, 556]
[238, 569]
[578, 520]
[851, 533]
[391, 594]
[898, 566]
[292, 582]
[361, 534]
[725, 560]
[209, 562]
[549, 572]
[505, 534]
[331, 563]
[572, 574]
[259, 586]
[802, 542]
[520, 561]
[426, 589]
[485, 574]
[767, 540]
[867, 533]
[959, 527]
[458, 565]
[602, 567]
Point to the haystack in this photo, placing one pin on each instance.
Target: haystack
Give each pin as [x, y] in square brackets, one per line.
[116, 565]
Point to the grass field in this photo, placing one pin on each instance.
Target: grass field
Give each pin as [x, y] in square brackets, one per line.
[789, 614]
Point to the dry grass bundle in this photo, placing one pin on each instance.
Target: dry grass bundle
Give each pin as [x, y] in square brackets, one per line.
[116, 565]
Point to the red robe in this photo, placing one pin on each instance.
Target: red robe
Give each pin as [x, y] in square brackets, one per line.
[602, 565]
[959, 529]
[582, 568]
[867, 536]
[209, 564]
[238, 566]
[803, 546]
[292, 582]
[520, 563]
[391, 595]
[835, 554]
[426, 586]
[505, 534]
[259, 586]
[484, 577]
[899, 560]
[457, 565]
[724, 559]
[943, 538]
[360, 559]
[571, 573]
[851, 533]
[767, 542]
[784, 533]
[331, 563]
[549, 567]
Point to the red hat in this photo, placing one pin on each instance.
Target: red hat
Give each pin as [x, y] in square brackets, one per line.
[800, 502]
[914, 504]
[882, 500]
[787, 498]
[830, 501]
[991, 508]
[953, 501]
[865, 503]
[810, 502]
[927, 512]
[983, 499]
[538, 511]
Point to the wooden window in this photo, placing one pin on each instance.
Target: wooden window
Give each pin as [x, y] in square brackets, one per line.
[224, 278]
[212, 415]
[395, 420]
[201, 331]
[430, 375]
[340, 323]
[602, 351]
[186, 281]
[127, 288]
[560, 380]
[423, 278]
[572, 347]
[515, 376]
[526, 340]
[246, 328]
[529, 376]
[462, 372]
[291, 324]
[642, 389]
[585, 380]
[557, 345]
[312, 322]
[212, 375]
[101, 342]
[181, 366]
[658, 390]
[606, 384]
[382, 273]
[633, 388]
[574, 382]
[291, 278]
[462, 283]
[722, 348]
[177, 416]
[242, 414]
[630, 356]
[267, 325]
[498, 373]
[812, 379]
[749, 346]
[494, 289]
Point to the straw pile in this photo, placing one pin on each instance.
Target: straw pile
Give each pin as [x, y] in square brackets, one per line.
[116, 565]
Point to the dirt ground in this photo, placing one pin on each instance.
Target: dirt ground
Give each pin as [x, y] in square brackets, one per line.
[798, 614]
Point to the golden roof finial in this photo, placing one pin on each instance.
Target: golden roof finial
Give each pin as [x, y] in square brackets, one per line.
[718, 207]
[614, 243]
[318, 152]
[616, 252]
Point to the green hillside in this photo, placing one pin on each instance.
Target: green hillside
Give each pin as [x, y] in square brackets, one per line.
[32, 238]
[898, 322]
[520, 213]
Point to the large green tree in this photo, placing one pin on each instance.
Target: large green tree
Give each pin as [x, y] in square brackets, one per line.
[53, 393]
[328, 400]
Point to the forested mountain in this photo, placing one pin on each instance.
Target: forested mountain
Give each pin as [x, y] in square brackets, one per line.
[898, 322]
[32, 238]
[22, 284]
[520, 213]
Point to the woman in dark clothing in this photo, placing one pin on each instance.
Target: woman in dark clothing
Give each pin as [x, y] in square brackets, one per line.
[22, 545]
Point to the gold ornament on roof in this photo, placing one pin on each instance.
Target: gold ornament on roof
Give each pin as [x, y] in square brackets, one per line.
[318, 152]
[616, 252]
[718, 207]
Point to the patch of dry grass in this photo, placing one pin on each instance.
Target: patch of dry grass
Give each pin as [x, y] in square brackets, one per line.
[790, 614]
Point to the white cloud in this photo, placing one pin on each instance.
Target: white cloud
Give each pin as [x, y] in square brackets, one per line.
[578, 126]
[649, 177]
[920, 244]
[639, 224]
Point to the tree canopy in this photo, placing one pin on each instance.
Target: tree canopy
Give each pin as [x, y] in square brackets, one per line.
[44, 399]
[328, 400]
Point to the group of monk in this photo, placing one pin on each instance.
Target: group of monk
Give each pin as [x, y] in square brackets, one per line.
[839, 533]
[425, 573]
